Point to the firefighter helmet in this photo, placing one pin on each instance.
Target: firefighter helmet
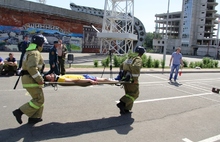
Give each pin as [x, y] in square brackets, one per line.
[140, 50]
[39, 40]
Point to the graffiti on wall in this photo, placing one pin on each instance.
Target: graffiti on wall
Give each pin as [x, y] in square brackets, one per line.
[10, 36]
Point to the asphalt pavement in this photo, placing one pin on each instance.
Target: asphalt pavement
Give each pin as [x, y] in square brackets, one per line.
[187, 111]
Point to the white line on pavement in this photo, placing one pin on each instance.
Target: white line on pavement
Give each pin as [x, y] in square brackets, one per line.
[170, 98]
[211, 139]
[186, 140]
[196, 87]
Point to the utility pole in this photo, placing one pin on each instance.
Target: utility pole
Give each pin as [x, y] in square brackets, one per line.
[217, 38]
[166, 37]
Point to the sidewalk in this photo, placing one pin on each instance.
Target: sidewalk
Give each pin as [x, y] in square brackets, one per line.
[88, 58]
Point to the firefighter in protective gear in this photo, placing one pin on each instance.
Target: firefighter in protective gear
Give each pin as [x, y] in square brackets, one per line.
[32, 81]
[131, 71]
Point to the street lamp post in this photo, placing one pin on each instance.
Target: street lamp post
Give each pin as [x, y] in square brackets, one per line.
[166, 37]
[217, 39]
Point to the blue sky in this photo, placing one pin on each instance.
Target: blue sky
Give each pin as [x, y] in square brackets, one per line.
[144, 10]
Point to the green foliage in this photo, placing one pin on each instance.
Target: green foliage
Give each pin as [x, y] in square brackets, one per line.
[206, 60]
[162, 62]
[198, 64]
[116, 61]
[149, 62]
[185, 62]
[148, 41]
[156, 63]
[144, 60]
[208, 63]
[216, 64]
[72, 47]
[132, 54]
[157, 36]
[96, 63]
[205, 63]
[192, 65]
[105, 62]
[122, 58]
[150, 51]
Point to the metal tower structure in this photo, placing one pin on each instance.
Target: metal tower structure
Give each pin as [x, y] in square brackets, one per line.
[117, 32]
[42, 1]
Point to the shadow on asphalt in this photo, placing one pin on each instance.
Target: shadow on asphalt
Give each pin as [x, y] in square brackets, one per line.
[175, 84]
[53, 130]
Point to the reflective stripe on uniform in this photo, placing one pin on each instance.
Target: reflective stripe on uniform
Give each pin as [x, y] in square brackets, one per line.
[31, 85]
[34, 106]
[36, 75]
[135, 75]
[31, 46]
[132, 98]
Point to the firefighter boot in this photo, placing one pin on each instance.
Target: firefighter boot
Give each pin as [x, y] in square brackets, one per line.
[18, 113]
[121, 106]
[34, 120]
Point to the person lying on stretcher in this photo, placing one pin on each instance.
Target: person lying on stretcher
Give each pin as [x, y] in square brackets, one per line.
[77, 79]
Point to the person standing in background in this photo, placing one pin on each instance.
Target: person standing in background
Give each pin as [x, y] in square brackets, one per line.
[61, 51]
[176, 60]
[53, 59]
[22, 47]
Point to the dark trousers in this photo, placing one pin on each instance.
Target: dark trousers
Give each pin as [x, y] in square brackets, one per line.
[10, 70]
[54, 70]
[21, 59]
[61, 65]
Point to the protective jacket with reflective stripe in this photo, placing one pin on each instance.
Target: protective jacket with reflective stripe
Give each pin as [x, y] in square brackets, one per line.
[133, 65]
[32, 62]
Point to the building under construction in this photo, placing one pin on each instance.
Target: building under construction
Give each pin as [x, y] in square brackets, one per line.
[194, 29]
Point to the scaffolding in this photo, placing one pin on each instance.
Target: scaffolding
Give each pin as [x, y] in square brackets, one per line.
[117, 32]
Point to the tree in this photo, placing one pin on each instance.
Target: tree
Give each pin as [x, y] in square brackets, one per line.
[148, 43]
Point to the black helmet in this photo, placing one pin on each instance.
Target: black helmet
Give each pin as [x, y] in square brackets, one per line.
[39, 40]
[140, 50]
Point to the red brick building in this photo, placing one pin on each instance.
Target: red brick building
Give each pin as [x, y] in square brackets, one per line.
[19, 17]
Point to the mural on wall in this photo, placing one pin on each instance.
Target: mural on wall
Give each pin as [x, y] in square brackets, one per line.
[10, 36]
[91, 41]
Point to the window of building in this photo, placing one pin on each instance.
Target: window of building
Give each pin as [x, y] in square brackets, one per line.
[159, 42]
